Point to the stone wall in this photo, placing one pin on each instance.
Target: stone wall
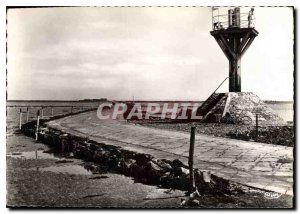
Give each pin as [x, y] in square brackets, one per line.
[143, 168]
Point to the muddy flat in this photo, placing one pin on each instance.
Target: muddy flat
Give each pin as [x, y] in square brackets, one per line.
[39, 179]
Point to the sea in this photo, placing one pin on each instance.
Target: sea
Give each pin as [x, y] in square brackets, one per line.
[284, 109]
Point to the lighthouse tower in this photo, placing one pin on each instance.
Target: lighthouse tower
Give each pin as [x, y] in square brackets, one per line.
[234, 32]
[234, 36]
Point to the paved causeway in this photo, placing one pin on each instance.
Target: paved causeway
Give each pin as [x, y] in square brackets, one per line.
[264, 166]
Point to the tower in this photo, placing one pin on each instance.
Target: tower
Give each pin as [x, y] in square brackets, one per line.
[234, 33]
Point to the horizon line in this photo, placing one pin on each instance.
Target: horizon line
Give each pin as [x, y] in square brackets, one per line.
[104, 99]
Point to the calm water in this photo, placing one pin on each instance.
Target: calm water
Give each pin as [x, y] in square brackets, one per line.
[59, 108]
[284, 110]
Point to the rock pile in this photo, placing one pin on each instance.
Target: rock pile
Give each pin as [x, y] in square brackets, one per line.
[242, 108]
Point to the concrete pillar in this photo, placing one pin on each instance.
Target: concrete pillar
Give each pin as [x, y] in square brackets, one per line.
[235, 67]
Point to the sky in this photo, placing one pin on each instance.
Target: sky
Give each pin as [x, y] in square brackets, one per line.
[149, 53]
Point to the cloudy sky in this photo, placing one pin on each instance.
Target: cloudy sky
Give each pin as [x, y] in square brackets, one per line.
[149, 53]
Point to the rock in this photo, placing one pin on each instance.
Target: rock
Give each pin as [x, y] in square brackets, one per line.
[142, 159]
[118, 153]
[194, 194]
[153, 172]
[128, 163]
[127, 166]
[113, 162]
[184, 171]
[99, 156]
[91, 167]
[93, 147]
[162, 164]
[179, 171]
[190, 202]
[194, 202]
[166, 180]
[237, 108]
[44, 130]
[206, 176]
[71, 155]
[138, 172]
[153, 166]
[183, 202]
[64, 135]
[177, 163]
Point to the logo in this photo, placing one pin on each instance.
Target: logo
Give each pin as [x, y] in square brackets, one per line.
[272, 195]
[149, 111]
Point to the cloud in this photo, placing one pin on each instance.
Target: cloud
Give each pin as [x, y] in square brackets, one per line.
[151, 53]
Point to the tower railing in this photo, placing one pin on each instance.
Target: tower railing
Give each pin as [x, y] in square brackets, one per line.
[219, 86]
[221, 21]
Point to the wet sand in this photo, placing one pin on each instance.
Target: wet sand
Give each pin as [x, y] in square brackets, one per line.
[48, 181]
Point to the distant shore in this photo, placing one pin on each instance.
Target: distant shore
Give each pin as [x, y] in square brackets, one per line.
[142, 101]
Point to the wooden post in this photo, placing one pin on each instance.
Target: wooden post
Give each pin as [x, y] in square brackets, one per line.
[235, 68]
[27, 115]
[52, 111]
[63, 144]
[42, 112]
[256, 127]
[191, 158]
[36, 154]
[37, 125]
[20, 124]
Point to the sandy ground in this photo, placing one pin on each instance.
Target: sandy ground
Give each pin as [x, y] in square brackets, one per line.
[50, 181]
